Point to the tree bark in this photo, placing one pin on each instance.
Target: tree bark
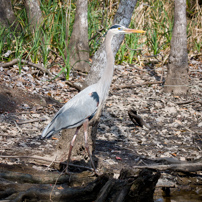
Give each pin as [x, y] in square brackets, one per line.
[177, 76]
[7, 16]
[34, 14]
[78, 46]
[122, 17]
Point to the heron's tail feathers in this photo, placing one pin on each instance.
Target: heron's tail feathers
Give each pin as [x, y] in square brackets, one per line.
[47, 133]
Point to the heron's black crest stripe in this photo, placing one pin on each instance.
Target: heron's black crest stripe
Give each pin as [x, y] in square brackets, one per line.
[95, 96]
[114, 26]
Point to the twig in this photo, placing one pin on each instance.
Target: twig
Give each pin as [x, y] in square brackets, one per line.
[96, 34]
[187, 167]
[197, 101]
[73, 85]
[188, 102]
[11, 136]
[55, 53]
[135, 85]
[27, 157]
[184, 102]
[47, 160]
[80, 73]
[137, 68]
[31, 121]
[62, 173]
[15, 61]
[19, 129]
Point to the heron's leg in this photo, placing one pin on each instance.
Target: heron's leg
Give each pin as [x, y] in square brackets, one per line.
[71, 146]
[85, 126]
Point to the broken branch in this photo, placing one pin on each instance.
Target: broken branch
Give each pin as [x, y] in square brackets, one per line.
[15, 61]
[135, 85]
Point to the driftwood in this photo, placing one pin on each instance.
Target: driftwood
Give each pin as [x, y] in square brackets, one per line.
[22, 183]
[130, 187]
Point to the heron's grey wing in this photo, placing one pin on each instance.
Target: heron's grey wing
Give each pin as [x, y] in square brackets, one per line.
[81, 107]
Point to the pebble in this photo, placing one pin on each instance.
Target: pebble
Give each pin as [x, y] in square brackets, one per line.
[170, 110]
[200, 124]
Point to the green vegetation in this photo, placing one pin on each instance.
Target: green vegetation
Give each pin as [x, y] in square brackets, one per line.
[155, 17]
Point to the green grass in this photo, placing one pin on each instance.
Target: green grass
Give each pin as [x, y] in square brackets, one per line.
[156, 18]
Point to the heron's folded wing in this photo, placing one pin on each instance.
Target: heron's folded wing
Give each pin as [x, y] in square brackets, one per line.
[74, 112]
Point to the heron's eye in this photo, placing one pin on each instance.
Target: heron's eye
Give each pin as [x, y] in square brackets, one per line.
[119, 28]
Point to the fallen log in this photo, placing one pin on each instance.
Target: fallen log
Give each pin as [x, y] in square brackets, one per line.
[25, 174]
[53, 186]
[72, 194]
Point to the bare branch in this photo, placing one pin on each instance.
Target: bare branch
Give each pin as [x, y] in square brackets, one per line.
[15, 61]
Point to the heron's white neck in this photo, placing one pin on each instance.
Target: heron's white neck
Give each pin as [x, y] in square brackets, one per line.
[106, 78]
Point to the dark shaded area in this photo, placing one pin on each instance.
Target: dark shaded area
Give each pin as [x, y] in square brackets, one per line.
[12, 99]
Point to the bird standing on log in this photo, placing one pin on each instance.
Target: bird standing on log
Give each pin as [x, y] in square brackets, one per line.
[78, 111]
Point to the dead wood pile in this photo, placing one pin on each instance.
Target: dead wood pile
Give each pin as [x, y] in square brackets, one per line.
[22, 183]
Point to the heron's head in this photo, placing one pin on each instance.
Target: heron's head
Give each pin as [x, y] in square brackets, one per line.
[119, 29]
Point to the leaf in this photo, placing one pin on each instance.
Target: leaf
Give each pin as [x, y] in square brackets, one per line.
[118, 158]
[178, 121]
[60, 188]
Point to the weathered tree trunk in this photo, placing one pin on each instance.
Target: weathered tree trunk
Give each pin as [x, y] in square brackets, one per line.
[78, 46]
[34, 13]
[123, 17]
[177, 76]
[7, 16]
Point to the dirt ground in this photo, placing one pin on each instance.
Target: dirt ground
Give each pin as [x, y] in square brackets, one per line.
[29, 100]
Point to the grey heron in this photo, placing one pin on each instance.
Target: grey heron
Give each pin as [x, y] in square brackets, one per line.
[80, 110]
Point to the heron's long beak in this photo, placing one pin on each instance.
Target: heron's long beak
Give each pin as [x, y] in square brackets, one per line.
[127, 30]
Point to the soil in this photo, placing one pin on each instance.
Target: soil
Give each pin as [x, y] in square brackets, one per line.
[29, 100]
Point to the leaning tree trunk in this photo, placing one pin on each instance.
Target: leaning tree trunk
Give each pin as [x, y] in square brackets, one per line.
[7, 16]
[78, 46]
[34, 14]
[123, 17]
[177, 76]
